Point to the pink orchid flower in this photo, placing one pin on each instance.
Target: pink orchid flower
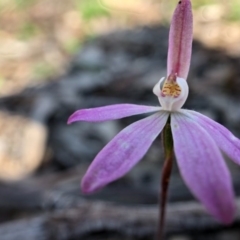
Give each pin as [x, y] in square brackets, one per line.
[198, 140]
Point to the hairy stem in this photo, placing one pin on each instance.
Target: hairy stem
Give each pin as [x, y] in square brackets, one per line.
[166, 173]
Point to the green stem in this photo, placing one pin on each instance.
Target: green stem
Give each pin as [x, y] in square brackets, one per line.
[166, 173]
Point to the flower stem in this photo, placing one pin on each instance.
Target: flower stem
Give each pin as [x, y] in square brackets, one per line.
[166, 173]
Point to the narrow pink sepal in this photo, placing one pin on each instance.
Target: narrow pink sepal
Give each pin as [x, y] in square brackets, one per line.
[123, 152]
[224, 139]
[110, 112]
[203, 168]
[180, 40]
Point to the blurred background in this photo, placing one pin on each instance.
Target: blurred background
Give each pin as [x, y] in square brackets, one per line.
[57, 56]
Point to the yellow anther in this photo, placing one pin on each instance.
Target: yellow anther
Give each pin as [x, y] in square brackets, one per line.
[171, 88]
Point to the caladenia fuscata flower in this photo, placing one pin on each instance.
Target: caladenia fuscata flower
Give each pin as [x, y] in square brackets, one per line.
[196, 140]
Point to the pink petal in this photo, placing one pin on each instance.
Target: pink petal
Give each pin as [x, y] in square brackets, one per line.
[110, 112]
[180, 40]
[123, 152]
[225, 140]
[202, 167]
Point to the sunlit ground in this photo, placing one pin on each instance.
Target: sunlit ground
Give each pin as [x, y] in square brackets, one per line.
[39, 37]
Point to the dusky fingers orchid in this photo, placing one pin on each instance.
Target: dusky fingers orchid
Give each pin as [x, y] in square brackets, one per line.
[197, 140]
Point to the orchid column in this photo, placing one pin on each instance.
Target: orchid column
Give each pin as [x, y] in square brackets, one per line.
[196, 140]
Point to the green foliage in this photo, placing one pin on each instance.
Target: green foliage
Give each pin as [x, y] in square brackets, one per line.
[201, 3]
[90, 9]
[2, 81]
[22, 4]
[27, 31]
[234, 13]
[72, 46]
[43, 70]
